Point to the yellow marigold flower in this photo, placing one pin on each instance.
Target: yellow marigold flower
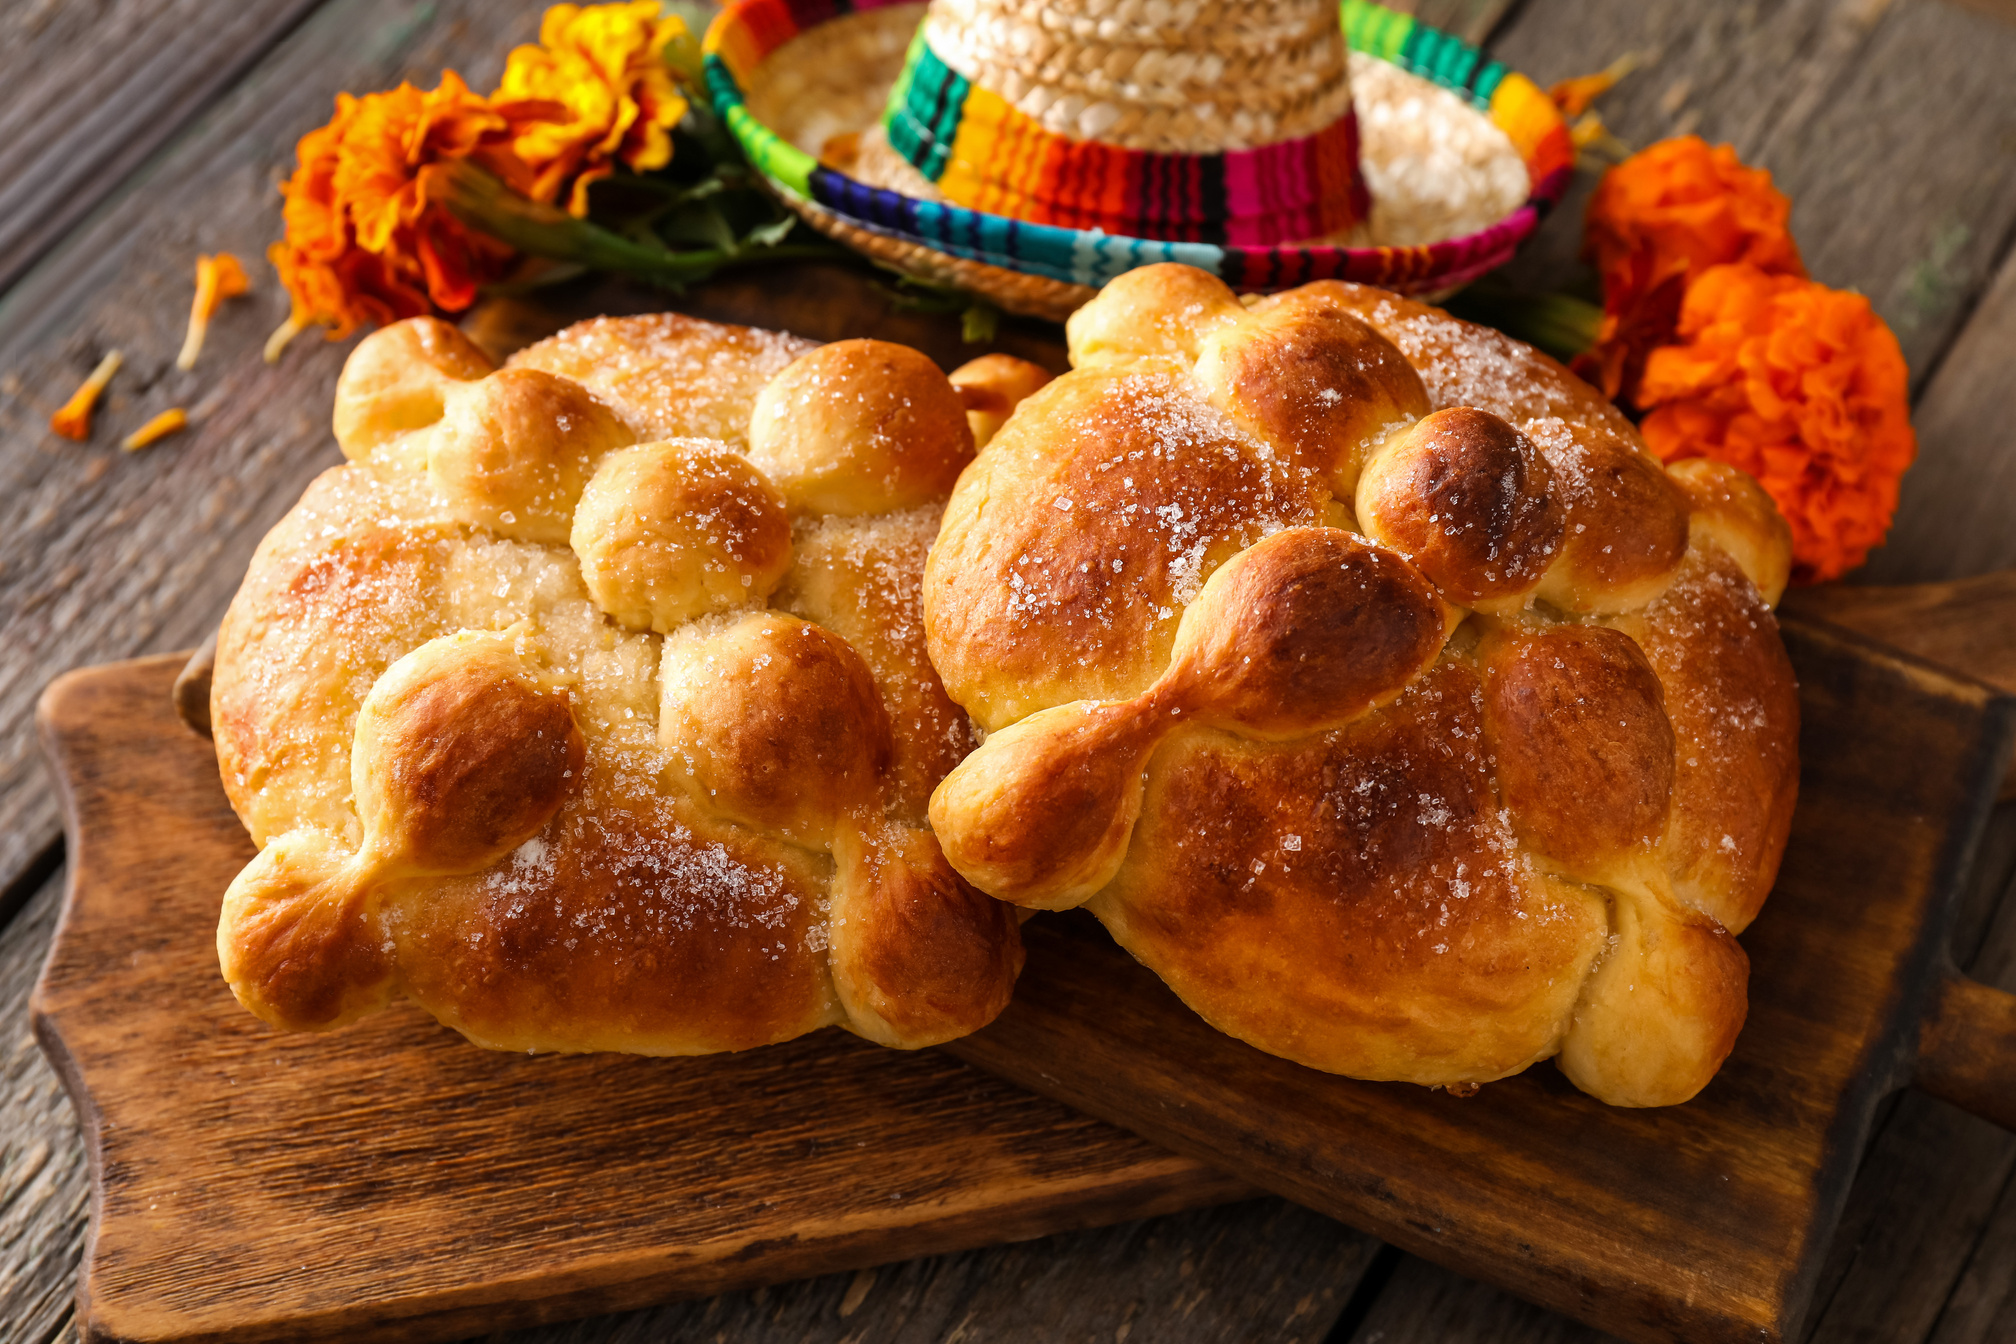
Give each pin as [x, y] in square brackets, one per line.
[217, 278]
[73, 421]
[605, 64]
[171, 421]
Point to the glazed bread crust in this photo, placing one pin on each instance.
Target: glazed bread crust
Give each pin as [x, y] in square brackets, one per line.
[1360, 670]
[556, 713]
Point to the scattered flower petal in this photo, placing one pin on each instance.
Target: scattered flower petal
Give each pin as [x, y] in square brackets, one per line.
[282, 336]
[217, 278]
[1573, 96]
[73, 421]
[171, 421]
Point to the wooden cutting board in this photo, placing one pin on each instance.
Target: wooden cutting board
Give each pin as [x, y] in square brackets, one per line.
[387, 1181]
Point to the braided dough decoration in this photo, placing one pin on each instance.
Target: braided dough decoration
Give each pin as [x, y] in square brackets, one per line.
[588, 705]
[1364, 675]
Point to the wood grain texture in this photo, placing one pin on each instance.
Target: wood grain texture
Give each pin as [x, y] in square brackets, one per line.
[1260, 1272]
[1953, 519]
[94, 88]
[436, 1189]
[1979, 1305]
[1426, 1304]
[1967, 1049]
[1964, 624]
[1691, 1223]
[1888, 124]
[1932, 1177]
[44, 1182]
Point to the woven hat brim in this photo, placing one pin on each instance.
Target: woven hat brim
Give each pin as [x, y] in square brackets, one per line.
[1008, 260]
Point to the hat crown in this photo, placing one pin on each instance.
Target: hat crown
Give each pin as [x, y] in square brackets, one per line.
[1163, 76]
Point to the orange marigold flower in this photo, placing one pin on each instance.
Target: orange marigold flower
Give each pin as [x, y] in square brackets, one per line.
[1656, 221]
[171, 421]
[605, 65]
[217, 278]
[1803, 387]
[367, 240]
[73, 420]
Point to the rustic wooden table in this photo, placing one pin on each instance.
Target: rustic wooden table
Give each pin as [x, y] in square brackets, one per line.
[135, 133]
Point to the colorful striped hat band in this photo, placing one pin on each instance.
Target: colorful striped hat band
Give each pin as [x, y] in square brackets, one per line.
[987, 155]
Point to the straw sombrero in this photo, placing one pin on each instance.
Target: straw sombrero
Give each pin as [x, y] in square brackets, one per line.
[1032, 151]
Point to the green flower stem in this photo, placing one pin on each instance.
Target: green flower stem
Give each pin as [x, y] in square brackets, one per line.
[484, 203]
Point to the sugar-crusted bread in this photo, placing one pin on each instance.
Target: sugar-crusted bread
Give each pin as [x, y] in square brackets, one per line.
[1364, 675]
[587, 705]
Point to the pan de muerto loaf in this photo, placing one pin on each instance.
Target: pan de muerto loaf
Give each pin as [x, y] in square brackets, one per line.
[1363, 674]
[588, 704]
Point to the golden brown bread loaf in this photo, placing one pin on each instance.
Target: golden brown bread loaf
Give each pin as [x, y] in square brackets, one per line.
[588, 706]
[1364, 675]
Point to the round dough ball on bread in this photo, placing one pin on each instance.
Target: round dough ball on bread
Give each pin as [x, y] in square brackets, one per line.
[1317, 381]
[396, 379]
[1467, 497]
[1732, 510]
[860, 427]
[463, 752]
[669, 531]
[513, 451]
[1165, 309]
[992, 386]
[776, 722]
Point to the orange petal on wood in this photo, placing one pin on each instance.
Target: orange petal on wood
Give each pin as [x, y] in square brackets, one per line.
[171, 421]
[217, 279]
[73, 421]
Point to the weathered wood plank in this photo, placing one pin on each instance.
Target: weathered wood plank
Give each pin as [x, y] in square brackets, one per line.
[1887, 123]
[1955, 515]
[1983, 1303]
[93, 89]
[1262, 1271]
[1426, 1304]
[44, 1186]
[1981, 1308]
[108, 554]
[1933, 1178]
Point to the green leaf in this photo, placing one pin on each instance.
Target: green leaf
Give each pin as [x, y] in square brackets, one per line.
[979, 323]
[700, 224]
[773, 233]
[1560, 324]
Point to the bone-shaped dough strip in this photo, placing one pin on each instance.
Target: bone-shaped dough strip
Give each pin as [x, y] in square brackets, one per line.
[1303, 632]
